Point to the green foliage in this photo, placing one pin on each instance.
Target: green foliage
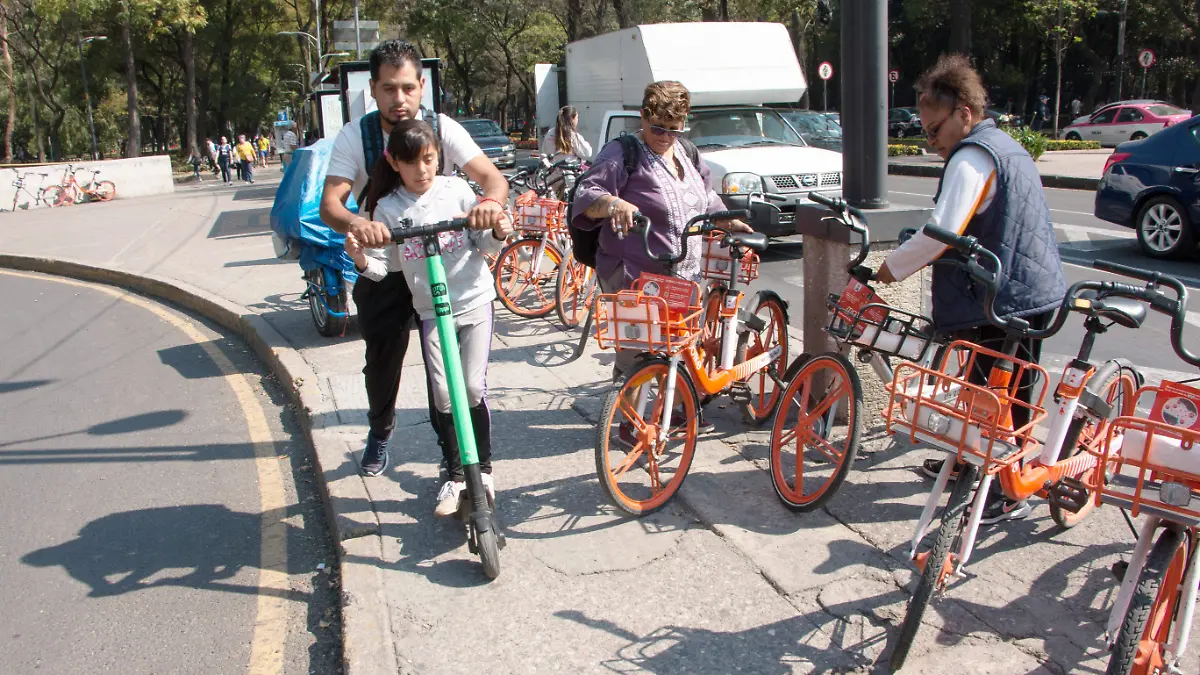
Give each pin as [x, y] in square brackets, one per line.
[905, 150]
[1035, 143]
[1051, 146]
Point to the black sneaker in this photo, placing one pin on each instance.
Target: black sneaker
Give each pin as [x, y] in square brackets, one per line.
[375, 457]
[1005, 509]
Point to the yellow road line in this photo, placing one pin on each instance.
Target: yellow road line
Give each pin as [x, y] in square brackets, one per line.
[270, 624]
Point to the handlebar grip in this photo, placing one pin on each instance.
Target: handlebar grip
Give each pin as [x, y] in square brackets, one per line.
[407, 230]
[954, 241]
[728, 215]
[1125, 270]
[821, 199]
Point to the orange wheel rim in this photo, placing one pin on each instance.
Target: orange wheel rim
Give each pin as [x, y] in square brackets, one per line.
[764, 390]
[646, 475]
[807, 436]
[1149, 657]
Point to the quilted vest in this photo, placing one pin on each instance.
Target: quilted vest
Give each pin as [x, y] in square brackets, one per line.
[1016, 226]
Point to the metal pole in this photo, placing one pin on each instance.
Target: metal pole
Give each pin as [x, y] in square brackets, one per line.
[317, 9]
[864, 95]
[1144, 71]
[357, 36]
[825, 95]
[1121, 49]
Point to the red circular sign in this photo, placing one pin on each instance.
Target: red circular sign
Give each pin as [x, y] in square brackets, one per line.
[825, 70]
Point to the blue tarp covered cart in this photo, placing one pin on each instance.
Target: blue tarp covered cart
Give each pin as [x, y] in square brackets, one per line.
[300, 235]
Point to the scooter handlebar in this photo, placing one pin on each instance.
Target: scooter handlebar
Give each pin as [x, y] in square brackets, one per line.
[408, 230]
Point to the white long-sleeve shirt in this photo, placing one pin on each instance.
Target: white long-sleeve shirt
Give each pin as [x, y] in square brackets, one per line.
[467, 277]
[579, 147]
[967, 189]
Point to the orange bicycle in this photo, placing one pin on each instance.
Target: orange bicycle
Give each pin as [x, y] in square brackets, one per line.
[650, 419]
[946, 408]
[71, 191]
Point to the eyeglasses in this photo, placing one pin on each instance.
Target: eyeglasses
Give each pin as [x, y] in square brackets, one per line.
[931, 132]
[673, 133]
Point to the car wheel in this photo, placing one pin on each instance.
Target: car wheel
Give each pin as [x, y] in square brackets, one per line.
[1137, 136]
[1163, 230]
[1073, 137]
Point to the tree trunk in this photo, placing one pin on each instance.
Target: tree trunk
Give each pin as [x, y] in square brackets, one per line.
[798, 44]
[191, 143]
[133, 145]
[37, 127]
[724, 10]
[960, 27]
[1058, 62]
[12, 85]
[624, 10]
[574, 14]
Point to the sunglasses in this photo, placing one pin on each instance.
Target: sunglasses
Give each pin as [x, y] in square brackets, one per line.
[932, 131]
[673, 133]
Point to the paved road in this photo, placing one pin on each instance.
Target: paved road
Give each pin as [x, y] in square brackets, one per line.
[157, 506]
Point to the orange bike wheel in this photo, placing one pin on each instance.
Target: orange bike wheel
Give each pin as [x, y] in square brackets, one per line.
[816, 433]
[709, 343]
[574, 290]
[526, 288]
[1151, 614]
[639, 474]
[55, 195]
[765, 385]
[104, 191]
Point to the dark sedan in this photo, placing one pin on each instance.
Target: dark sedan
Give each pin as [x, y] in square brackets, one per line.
[1153, 186]
[904, 122]
[488, 136]
[817, 129]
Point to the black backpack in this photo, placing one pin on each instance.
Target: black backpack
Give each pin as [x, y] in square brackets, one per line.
[585, 243]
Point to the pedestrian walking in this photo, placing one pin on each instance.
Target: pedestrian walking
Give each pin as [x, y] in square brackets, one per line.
[263, 146]
[1041, 112]
[287, 146]
[212, 155]
[246, 154]
[224, 159]
[195, 160]
[385, 307]
[991, 190]
[1076, 107]
[405, 185]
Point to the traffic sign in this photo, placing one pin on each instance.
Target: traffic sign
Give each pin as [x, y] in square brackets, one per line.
[1146, 58]
[825, 70]
[893, 76]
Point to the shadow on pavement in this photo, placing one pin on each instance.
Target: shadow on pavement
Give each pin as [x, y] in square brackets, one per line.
[138, 548]
[241, 223]
[21, 385]
[125, 425]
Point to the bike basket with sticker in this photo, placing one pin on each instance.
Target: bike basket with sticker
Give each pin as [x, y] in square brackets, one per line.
[539, 214]
[1152, 464]
[718, 257]
[659, 314]
[939, 407]
[860, 317]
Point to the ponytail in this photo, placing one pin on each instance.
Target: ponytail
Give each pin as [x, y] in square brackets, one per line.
[384, 181]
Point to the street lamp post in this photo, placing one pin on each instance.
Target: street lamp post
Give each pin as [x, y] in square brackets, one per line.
[307, 35]
[329, 56]
[80, 42]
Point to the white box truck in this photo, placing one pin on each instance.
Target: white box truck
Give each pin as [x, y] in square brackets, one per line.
[732, 70]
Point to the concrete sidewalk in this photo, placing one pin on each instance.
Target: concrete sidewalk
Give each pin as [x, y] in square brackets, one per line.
[723, 580]
[1070, 169]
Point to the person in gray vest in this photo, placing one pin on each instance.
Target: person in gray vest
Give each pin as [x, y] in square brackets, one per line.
[990, 189]
[385, 307]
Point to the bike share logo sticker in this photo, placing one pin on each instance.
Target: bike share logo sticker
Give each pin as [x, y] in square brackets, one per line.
[651, 288]
[438, 290]
[1177, 405]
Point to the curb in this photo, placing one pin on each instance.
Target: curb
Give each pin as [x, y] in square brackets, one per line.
[366, 622]
[935, 171]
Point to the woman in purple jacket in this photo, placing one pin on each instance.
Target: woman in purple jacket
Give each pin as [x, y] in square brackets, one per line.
[665, 186]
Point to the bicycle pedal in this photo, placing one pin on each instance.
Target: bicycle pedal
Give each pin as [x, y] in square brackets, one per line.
[1070, 494]
[740, 393]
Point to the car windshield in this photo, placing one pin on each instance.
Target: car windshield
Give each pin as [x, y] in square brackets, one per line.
[736, 127]
[1162, 110]
[813, 124]
[482, 128]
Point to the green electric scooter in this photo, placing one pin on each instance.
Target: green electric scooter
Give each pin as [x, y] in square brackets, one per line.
[484, 537]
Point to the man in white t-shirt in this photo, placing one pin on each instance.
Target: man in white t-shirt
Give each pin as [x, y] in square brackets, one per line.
[385, 310]
[287, 147]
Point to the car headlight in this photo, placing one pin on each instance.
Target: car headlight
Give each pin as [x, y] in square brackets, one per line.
[509, 148]
[741, 183]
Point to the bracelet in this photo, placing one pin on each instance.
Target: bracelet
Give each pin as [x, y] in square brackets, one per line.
[612, 206]
[490, 199]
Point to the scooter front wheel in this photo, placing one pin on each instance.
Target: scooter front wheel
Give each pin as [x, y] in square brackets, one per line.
[489, 553]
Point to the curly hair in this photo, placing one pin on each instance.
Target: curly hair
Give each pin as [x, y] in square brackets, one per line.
[395, 53]
[952, 81]
[667, 100]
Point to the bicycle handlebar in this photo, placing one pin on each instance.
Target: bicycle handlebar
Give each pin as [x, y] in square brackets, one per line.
[973, 252]
[705, 220]
[859, 226]
[408, 230]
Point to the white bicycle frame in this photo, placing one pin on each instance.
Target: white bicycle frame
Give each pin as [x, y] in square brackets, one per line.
[1059, 420]
[1177, 646]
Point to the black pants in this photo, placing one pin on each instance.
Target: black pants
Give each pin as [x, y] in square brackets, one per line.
[385, 316]
[1027, 350]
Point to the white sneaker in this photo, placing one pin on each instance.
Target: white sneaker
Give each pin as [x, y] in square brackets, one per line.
[489, 485]
[448, 497]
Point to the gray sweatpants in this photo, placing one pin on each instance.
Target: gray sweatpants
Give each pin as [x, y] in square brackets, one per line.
[474, 329]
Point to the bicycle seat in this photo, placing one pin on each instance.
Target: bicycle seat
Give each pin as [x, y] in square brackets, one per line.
[1122, 311]
[756, 241]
